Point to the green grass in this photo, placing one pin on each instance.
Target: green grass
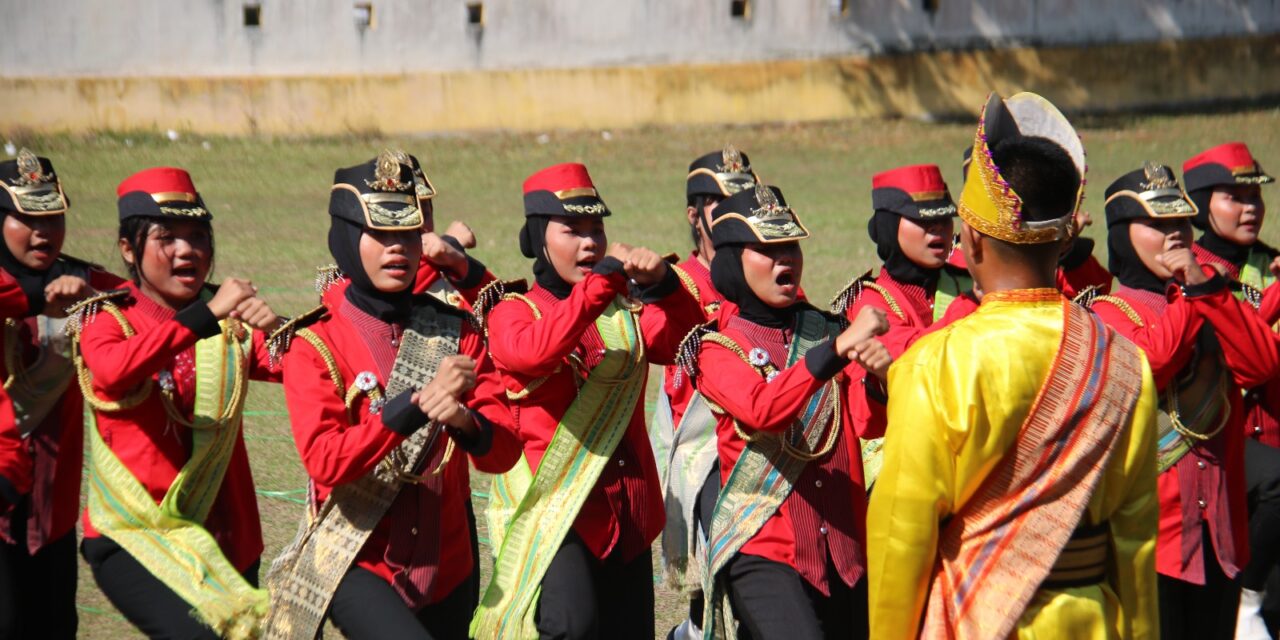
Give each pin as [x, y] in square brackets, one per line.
[269, 198]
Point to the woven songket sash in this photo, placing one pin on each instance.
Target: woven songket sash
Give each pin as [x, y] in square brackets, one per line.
[763, 477]
[305, 576]
[994, 554]
[691, 458]
[169, 539]
[1255, 276]
[37, 388]
[547, 503]
[1196, 406]
[950, 286]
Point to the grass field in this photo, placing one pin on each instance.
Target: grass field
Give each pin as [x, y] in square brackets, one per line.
[269, 198]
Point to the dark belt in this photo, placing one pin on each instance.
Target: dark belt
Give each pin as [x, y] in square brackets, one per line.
[1083, 560]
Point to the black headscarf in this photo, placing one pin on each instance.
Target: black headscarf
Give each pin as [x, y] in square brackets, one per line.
[1216, 244]
[728, 279]
[1123, 261]
[32, 281]
[533, 244]
[883, 228]
[344, 244]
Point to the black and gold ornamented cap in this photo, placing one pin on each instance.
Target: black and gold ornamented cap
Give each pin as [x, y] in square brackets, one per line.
[30, 186]
[1149, 192]
[160, 192]
[720, 173]
[562, 190]
[759, 214]
[422, 186]
[381, 194]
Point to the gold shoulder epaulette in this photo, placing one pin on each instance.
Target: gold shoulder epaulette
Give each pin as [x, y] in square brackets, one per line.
[1086, 295]
[327, 276]
[84, 312]
[496, 292]
[850, 293]
[690, 346]
[281, 339]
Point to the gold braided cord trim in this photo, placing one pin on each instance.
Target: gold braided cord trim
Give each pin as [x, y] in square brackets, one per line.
[537, 314]
[11, 348]
[85, 378]
[687, 281]
[325, 355]
[888, 298]
[1123, 306]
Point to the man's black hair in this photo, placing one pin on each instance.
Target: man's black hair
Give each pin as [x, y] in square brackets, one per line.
[1041, 173]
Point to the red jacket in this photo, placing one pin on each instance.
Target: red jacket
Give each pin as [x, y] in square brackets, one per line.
[422, 546]
[1207, 485]
[624, 511]
[916, 305]
[1261, 402]
[15, 459]
[709, 299]
[143, 438]
[824, 518]
[56, 446]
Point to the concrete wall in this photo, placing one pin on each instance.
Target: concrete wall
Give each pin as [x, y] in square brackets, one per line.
[132, 38]
[1115, 77]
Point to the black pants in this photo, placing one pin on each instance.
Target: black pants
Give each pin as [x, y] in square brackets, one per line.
[1199, 612]
[584, 597]
[702, 512]
[142, 598]
[1262, 475]
[365, 606]
[772, 602]
[37, 592]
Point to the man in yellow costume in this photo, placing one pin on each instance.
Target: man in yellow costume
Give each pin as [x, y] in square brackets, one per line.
[1018, 493]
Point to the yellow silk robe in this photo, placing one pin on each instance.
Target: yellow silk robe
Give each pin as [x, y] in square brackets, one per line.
[957, 400]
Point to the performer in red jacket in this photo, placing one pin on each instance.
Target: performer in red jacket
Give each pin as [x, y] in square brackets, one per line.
[787, 537]
[389, 546]
[585, 504]
[37, 536]
[171, 529]
[1225, 182]
[683, 430]
[1203, 346]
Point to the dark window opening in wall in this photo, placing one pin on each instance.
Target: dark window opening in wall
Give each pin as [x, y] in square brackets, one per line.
[252, 15]
[930, 6]
[363, 14]
[475, 14]
[740, 9]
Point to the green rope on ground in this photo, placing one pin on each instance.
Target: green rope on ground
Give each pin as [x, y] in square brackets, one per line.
[287, 496]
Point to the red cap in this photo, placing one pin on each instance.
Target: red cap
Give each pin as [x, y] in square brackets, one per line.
[562, 190]
[158, 180]
[560, 178]
[917, 192]
[921, 181]
[160, 192]
[1229, 163]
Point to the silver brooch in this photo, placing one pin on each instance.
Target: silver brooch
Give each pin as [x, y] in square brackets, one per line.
[166, 380]
[758, 357]
[772, 374]
[366, 381]
[375, 406]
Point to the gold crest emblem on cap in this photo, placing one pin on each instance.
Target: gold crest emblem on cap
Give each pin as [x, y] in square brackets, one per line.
[1158, 176]
[732, 159]
[29, 170]
[772, 220]
[386, 173]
